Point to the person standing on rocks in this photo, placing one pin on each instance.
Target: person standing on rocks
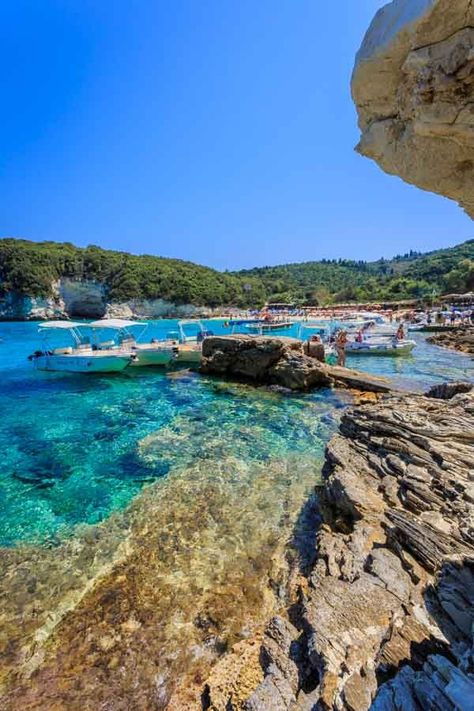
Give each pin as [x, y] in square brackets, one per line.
[341, 342]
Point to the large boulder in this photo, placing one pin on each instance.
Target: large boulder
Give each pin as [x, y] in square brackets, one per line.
[413, 86]
[279, 361]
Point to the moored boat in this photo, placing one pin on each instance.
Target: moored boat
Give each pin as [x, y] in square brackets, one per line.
[153, 352]
[380, 347]
[78, 358]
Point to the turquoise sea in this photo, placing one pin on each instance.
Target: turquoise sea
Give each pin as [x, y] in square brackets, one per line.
[74, 448]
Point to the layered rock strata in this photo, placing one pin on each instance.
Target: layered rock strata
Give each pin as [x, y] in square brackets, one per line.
[281, 362]
[413, 86]
[385, 616]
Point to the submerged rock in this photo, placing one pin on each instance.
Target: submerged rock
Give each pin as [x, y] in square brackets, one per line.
[385, 618]
[281, 362]
[413, 86]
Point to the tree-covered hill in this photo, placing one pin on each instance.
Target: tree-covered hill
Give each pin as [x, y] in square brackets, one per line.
[407, 276]
[31, 268]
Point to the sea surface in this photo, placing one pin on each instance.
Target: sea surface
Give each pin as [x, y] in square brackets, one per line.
[157, 517]
[72, 444]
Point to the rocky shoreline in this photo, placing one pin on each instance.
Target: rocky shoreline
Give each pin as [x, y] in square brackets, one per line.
[461, 339]
[384, 617]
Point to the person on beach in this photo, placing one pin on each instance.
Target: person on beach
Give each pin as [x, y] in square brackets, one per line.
[341, 342]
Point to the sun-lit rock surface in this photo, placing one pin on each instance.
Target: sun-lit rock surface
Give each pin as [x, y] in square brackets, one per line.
[413, 86]
[282, 362]
[385, 616]
[462, 339]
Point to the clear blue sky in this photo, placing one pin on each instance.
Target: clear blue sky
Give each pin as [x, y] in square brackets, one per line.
[220, 131]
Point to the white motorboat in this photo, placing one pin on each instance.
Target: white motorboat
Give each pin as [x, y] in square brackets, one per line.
[78, 358]
[380, 347]
[151, 353]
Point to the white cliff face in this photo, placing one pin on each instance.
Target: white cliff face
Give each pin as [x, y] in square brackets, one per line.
[23, 308]
[151, 309]
[75, 298]
[86, 299]
[69, 297]
[413, 86]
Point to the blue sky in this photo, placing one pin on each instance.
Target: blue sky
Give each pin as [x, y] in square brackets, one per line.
[220, 131]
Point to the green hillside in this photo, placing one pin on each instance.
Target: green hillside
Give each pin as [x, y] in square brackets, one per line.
[412, 275]
[30, 268]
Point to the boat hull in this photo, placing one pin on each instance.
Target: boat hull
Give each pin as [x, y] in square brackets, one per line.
[91, 363]
[189, 354]
[153, 356]
[403, 350]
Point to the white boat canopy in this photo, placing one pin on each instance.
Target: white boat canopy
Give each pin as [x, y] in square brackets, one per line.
[115, 323]
[60, 324]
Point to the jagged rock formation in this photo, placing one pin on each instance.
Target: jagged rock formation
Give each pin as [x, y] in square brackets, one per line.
[462, 339]
[385, 616]
[413, 86]
[282, 362]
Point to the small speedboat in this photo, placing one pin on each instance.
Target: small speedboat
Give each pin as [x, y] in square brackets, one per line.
[380, 347]
[78, 358]
[150, 353]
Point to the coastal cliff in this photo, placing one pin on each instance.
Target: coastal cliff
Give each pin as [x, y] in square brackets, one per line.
[85, 298]
[384, 616]
[413, 86]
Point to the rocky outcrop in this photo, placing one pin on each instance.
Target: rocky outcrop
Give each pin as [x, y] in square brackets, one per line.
[462, 339]
[282, 362]
[385, 617]
[413, 86]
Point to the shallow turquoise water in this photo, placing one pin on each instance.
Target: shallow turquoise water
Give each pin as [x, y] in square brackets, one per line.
[71, 445]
